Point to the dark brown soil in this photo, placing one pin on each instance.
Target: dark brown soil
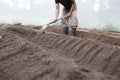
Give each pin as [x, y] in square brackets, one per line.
[112, 38]
[27, 55]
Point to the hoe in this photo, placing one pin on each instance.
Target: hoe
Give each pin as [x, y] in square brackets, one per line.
[45, 26]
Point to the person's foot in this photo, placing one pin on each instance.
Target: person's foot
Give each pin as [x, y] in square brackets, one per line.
[65, 30]
[74, 31]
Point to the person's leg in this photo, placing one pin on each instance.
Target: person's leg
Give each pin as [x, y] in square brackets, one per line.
[74, 22]
[73, 31]
[65, 23]
[65, 30]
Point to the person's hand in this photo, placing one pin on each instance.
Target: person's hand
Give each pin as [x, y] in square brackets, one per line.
[69, 14]
[55, 20]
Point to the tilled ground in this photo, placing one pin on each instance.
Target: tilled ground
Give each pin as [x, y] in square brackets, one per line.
[112, 38]
[27, 55]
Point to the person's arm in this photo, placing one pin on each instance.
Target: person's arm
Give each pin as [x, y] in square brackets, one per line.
[72, 8]
[57, 11]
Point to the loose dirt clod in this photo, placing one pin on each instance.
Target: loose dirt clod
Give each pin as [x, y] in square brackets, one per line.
[0, 37]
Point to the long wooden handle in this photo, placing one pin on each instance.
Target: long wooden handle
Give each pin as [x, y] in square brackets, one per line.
[57, 19]
[45, 26]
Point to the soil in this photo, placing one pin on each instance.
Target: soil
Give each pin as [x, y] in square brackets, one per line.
[112, 38]
[26, 54]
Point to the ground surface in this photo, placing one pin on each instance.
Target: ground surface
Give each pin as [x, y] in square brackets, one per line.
[26, 54]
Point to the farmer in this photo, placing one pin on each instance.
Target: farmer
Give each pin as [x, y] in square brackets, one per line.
[70, 10]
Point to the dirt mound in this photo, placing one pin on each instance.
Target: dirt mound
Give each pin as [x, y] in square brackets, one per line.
[50, 56]
[20, 60]
[112, 38]
[97, 56]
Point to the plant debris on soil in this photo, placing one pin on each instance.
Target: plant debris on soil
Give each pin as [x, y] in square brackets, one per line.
[27, 55]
